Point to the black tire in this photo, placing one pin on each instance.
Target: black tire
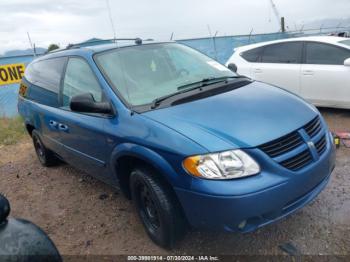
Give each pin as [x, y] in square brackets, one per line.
[157, 207]
[46, 157]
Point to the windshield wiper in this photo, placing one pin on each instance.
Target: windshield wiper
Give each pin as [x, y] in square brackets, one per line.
[183, 89]
[156, 102]
[206, 81]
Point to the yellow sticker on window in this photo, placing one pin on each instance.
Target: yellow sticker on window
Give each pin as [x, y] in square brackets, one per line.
[11, 73]
[153, 66]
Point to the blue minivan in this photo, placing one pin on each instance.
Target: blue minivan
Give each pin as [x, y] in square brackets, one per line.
[188, 140]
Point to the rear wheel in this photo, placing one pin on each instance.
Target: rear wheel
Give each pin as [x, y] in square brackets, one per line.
[46, 157]
[157, 207]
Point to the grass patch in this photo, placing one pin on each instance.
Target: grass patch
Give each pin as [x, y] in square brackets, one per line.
[12, 130]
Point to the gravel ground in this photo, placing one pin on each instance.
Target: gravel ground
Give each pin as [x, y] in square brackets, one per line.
[84, 216]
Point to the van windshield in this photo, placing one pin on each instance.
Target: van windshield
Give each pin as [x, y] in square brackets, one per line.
[141, 74]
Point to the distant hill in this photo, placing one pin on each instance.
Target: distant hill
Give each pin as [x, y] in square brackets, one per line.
[324, 23]
[39, 50]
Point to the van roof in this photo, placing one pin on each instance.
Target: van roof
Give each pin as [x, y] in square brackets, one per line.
[92, 49]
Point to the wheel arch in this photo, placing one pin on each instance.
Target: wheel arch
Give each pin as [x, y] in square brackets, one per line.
[29, 128]
[126, 156]
[31, 122]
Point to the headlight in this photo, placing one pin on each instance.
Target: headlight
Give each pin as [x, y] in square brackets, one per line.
[224, 165]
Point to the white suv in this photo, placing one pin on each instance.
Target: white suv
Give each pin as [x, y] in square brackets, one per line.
[316, 68]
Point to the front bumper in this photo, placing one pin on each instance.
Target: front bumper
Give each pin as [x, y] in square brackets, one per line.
[249, 203]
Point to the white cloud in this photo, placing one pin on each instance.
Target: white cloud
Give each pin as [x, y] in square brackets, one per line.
[71, 21]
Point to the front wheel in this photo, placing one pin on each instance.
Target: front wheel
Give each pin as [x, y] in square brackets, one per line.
[45, 156]
[157, 207]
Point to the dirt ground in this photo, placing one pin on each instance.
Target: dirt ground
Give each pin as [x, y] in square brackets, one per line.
[84, 216]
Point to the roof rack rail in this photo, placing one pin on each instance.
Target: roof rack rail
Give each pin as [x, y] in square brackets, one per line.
[137, 40]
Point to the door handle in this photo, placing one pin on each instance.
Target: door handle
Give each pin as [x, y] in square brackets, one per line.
[63, 127]
[53, 123]
[257, 70]
[308, 72]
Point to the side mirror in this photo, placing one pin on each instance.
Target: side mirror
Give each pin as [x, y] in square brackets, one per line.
[232, 67]
[347, 62]
[86, 103]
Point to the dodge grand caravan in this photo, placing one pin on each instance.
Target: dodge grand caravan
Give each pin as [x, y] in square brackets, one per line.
[188, 140]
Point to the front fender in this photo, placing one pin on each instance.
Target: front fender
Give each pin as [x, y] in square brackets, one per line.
[157, 161]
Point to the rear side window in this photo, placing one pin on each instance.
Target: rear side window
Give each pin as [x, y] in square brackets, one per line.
[253, 55]
[325, 54]
[46, 73]
[80, 79]
[283, 53]
[45, 77]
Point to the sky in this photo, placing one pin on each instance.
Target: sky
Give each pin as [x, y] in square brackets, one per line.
[73, 21]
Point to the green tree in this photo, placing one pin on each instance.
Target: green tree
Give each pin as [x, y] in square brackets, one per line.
[52, 47]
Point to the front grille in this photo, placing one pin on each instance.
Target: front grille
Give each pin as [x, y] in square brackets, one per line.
[287, 143]
[298, 161]
[321, 145]
[282, 145]
[313, 127]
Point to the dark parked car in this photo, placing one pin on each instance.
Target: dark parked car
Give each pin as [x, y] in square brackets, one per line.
[21, 240]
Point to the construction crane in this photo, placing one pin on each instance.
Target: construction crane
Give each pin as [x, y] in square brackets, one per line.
[280, 20]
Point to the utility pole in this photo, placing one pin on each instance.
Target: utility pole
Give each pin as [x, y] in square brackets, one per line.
[280, 20]
[283, 28]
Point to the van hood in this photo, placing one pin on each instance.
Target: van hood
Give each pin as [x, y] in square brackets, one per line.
[242, 118]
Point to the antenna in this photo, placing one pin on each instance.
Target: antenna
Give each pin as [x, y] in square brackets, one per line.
[110, 18]
[31, 44]
[209, 30]
[214, 42]
[250, 34]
